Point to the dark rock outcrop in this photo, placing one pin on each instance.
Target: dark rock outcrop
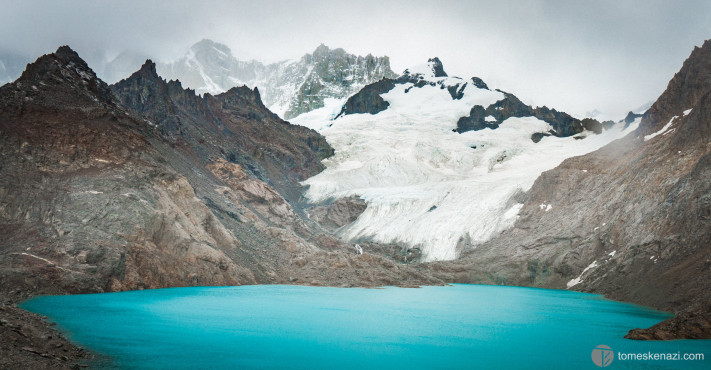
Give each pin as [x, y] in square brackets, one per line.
[692, 324]
[630, 118]
[456, 91]
[478, 82]
[538, 136]
[476, 120]
[563, 124]
[592, 125]
[368, 99]
[503, 109]
[437, 67]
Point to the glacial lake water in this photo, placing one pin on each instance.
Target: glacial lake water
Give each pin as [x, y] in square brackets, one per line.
[298, 327]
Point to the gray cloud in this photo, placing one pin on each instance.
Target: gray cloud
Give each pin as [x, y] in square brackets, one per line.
[571, 55]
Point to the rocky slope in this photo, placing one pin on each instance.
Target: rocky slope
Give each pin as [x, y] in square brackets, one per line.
[288, 88]
[630, 220]
[28, 342]
[146, 185]
[234, 125]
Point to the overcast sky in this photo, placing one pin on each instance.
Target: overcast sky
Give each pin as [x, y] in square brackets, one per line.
[575, 56]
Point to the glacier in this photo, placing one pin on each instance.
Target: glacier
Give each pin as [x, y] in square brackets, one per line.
[429, 187]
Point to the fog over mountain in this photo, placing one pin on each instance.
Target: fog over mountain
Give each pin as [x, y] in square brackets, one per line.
[536, 48]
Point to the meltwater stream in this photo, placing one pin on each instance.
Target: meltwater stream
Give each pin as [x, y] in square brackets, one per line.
[297, 327]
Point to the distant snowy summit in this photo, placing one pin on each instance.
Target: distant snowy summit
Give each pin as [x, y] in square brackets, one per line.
[289, 87]
[443, 163]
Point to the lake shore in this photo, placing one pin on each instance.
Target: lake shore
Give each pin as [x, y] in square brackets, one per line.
[30, 341]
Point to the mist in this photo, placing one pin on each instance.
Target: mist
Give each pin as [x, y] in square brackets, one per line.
[577, 57]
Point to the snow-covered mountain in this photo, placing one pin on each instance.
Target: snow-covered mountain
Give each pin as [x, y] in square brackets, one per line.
[288, 88]
[442, 162]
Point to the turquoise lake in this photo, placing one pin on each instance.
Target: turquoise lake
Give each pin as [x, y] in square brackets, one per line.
[298, 327]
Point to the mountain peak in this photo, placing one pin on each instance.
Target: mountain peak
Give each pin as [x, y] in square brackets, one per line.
[64, 64]
[207, 46]
[321, 50]
[437, 67]
[687, 87]
[63, 80]
[432, 69]
[67, 56]
[146, 72]
[149, 68]
[65, 52]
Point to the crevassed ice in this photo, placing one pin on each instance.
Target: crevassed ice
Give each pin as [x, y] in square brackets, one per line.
[406, 159]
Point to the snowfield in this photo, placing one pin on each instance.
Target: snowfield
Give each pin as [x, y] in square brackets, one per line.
[425, 185]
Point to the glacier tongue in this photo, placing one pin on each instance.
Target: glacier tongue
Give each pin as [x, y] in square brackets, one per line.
[425, 185]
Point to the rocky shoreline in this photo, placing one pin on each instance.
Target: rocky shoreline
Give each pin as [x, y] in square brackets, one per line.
[29, 341]
[690, 324]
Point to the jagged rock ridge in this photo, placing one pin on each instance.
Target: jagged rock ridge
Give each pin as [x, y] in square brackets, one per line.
[234, 125]
[289, 88]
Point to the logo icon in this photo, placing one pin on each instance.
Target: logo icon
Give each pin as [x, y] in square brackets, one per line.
[602, 355]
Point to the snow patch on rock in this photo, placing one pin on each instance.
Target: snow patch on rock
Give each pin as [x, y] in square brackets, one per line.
[662, 131]
[579, 279]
